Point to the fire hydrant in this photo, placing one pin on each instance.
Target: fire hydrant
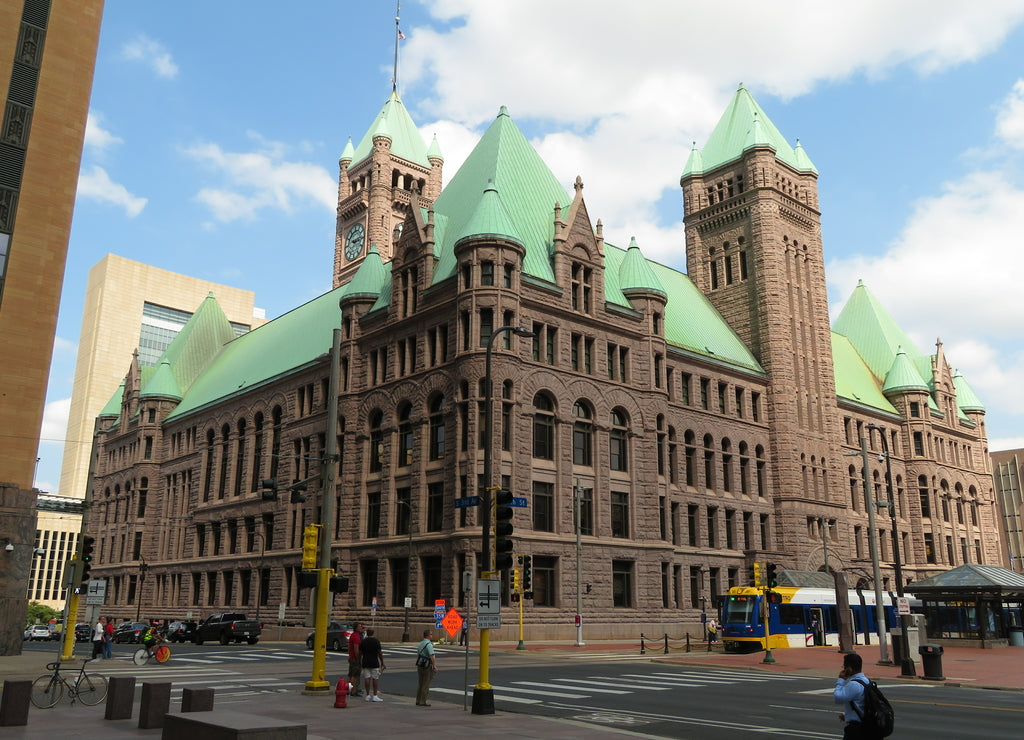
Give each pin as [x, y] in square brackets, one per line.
[341, 694]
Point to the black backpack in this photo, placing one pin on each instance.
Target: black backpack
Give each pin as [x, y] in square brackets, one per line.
[878, 717]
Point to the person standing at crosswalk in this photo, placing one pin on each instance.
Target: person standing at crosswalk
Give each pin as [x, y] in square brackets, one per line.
[355, 665]
[372, 657]
[426, 667]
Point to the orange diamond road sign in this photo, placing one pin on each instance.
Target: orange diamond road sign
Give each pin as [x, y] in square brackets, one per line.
[452, 622]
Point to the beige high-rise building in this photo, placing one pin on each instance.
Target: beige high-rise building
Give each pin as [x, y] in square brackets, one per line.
[129, 306]
[1007, 468]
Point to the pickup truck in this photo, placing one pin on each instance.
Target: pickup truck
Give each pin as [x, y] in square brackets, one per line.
[227, 627]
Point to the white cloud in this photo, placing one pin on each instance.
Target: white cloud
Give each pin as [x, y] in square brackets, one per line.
[96, 136]
[1010, 117]
[55, 420]
[95, 184]
[151, 53]
[261, 179]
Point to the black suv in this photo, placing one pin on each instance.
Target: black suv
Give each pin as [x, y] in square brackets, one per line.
[83, 632]
[129, 631]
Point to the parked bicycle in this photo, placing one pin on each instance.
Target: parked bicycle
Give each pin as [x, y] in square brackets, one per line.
[48, 689]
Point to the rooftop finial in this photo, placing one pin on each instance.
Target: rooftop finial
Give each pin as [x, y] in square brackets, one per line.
[398, 37]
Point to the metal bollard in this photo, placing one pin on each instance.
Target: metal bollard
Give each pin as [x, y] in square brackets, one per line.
[687, 642]
[643, 647]
[666, 643]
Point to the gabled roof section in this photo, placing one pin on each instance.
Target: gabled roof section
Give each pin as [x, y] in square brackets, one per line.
[528, 190]
[636, 274]
[874, 333]
[743, 125]
[854, 379]
[279, 348]
[966, 398]
[202, 337]
[394, 121]
[113, 407]
[162, 384]
[903, 376]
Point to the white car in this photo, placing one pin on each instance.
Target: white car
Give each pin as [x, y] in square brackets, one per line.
[39, 632]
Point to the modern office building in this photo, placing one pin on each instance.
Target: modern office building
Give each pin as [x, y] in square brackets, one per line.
[677, 426]
[1007, 468]
[47, 57]
[131, 306]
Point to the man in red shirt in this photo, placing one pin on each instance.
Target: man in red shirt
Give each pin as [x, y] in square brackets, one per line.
[355, 665]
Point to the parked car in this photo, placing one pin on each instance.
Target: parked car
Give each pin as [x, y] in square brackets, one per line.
[180, 631]
[129, 631]
[337, 637]
[227, 627]
[83, 632]
[39, 632]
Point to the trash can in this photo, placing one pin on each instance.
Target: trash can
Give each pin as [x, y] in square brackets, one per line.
[1017, 636]
[931, 659]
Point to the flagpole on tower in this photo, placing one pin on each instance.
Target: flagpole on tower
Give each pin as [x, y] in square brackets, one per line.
[398, 35]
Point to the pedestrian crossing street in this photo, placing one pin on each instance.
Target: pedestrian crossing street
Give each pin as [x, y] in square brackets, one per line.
[539, 692]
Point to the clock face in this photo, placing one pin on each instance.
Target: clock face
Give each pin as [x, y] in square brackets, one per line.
[354, 241]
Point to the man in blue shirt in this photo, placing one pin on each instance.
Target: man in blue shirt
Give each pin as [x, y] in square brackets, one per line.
[851, 693]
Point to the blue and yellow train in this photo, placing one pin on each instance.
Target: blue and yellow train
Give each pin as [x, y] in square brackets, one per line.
[799, 617]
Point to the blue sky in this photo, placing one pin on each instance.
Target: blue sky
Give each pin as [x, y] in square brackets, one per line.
[215, 130]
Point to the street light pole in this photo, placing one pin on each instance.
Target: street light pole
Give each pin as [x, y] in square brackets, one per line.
[903, 654]
[578, 503]
[408, 572]
[259, 573]
[483, 692]
[869, 501]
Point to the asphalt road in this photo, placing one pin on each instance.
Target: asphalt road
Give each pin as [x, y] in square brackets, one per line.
[625, 691]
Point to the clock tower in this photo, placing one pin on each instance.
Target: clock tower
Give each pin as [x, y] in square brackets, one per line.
[376, 183]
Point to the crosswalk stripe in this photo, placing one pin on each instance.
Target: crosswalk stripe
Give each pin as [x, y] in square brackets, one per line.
[561, 695]
[515, 699]
[617, 682]
[556, 686]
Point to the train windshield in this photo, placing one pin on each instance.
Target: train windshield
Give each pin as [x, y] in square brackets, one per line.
[741, 610]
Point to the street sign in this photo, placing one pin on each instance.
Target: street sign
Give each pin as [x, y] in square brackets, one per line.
[488, 621]
[452, 622]
[903, 605]
[439, 611]
[280, 612]
[488, 597]
[408, 602]
[96, 593]
[466, 502]
[518, 502]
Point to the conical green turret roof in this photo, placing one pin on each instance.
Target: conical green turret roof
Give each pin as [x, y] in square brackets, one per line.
[434, 151]
[394, 121]
[202, 337]
[528, 190]
[873, 332]
[636, 274]
[113, 406]
[966, 398]
[903, 376]
[348, 152]
[162, 384]
[743, 125]
[491, 219]
[370, 278]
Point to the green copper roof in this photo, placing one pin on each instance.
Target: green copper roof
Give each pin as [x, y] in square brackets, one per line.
[854, 379]
[348, 152]
[874, 333]
[394, 121]
[162, 384]
[903, 376]
[369, 278]
[113, 407]
[200, 339]
[966, 398]
[434, 152]
[636, 273]
[282, 346]
[528, 190]
[491, 219]
[694, 163]
[744, 125]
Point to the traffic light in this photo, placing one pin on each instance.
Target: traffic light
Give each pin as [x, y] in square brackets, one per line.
[514, 598]
[85, 559]
[771, 575]
[297, 496]
[308, 578]
[338, 585]
[269, 492]
[310, 540]
[528, 576]
[756, 571]
[503, 529]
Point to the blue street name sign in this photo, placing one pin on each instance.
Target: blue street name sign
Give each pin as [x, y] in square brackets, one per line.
[519, 502]
[462, 503]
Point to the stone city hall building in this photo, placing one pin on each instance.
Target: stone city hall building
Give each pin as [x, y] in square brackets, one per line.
[702, 419]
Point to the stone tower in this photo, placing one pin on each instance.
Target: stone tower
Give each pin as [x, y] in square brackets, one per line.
[753, 246]
[376, 183]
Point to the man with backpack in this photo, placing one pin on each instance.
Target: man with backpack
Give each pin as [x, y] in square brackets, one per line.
[868, 716]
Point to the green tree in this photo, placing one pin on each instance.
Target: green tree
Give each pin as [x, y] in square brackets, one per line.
[40, 614]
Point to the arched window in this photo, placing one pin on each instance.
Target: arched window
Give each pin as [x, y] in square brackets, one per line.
[543, 427]
[437, 428]
[762, 473]
[225, 440]
[582, 435]
[618, 441]
[744, 469]
[257, 451]
[275, 441]
[709, 462]
[240, 458]
[405, 436]
[376, 442]
[690, 450]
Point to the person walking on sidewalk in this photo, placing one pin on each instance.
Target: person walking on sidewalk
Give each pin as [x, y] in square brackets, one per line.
[850, 691]
[372, 658]
[108, 640]
[355, 666]
[426, 667]
[98, 633]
